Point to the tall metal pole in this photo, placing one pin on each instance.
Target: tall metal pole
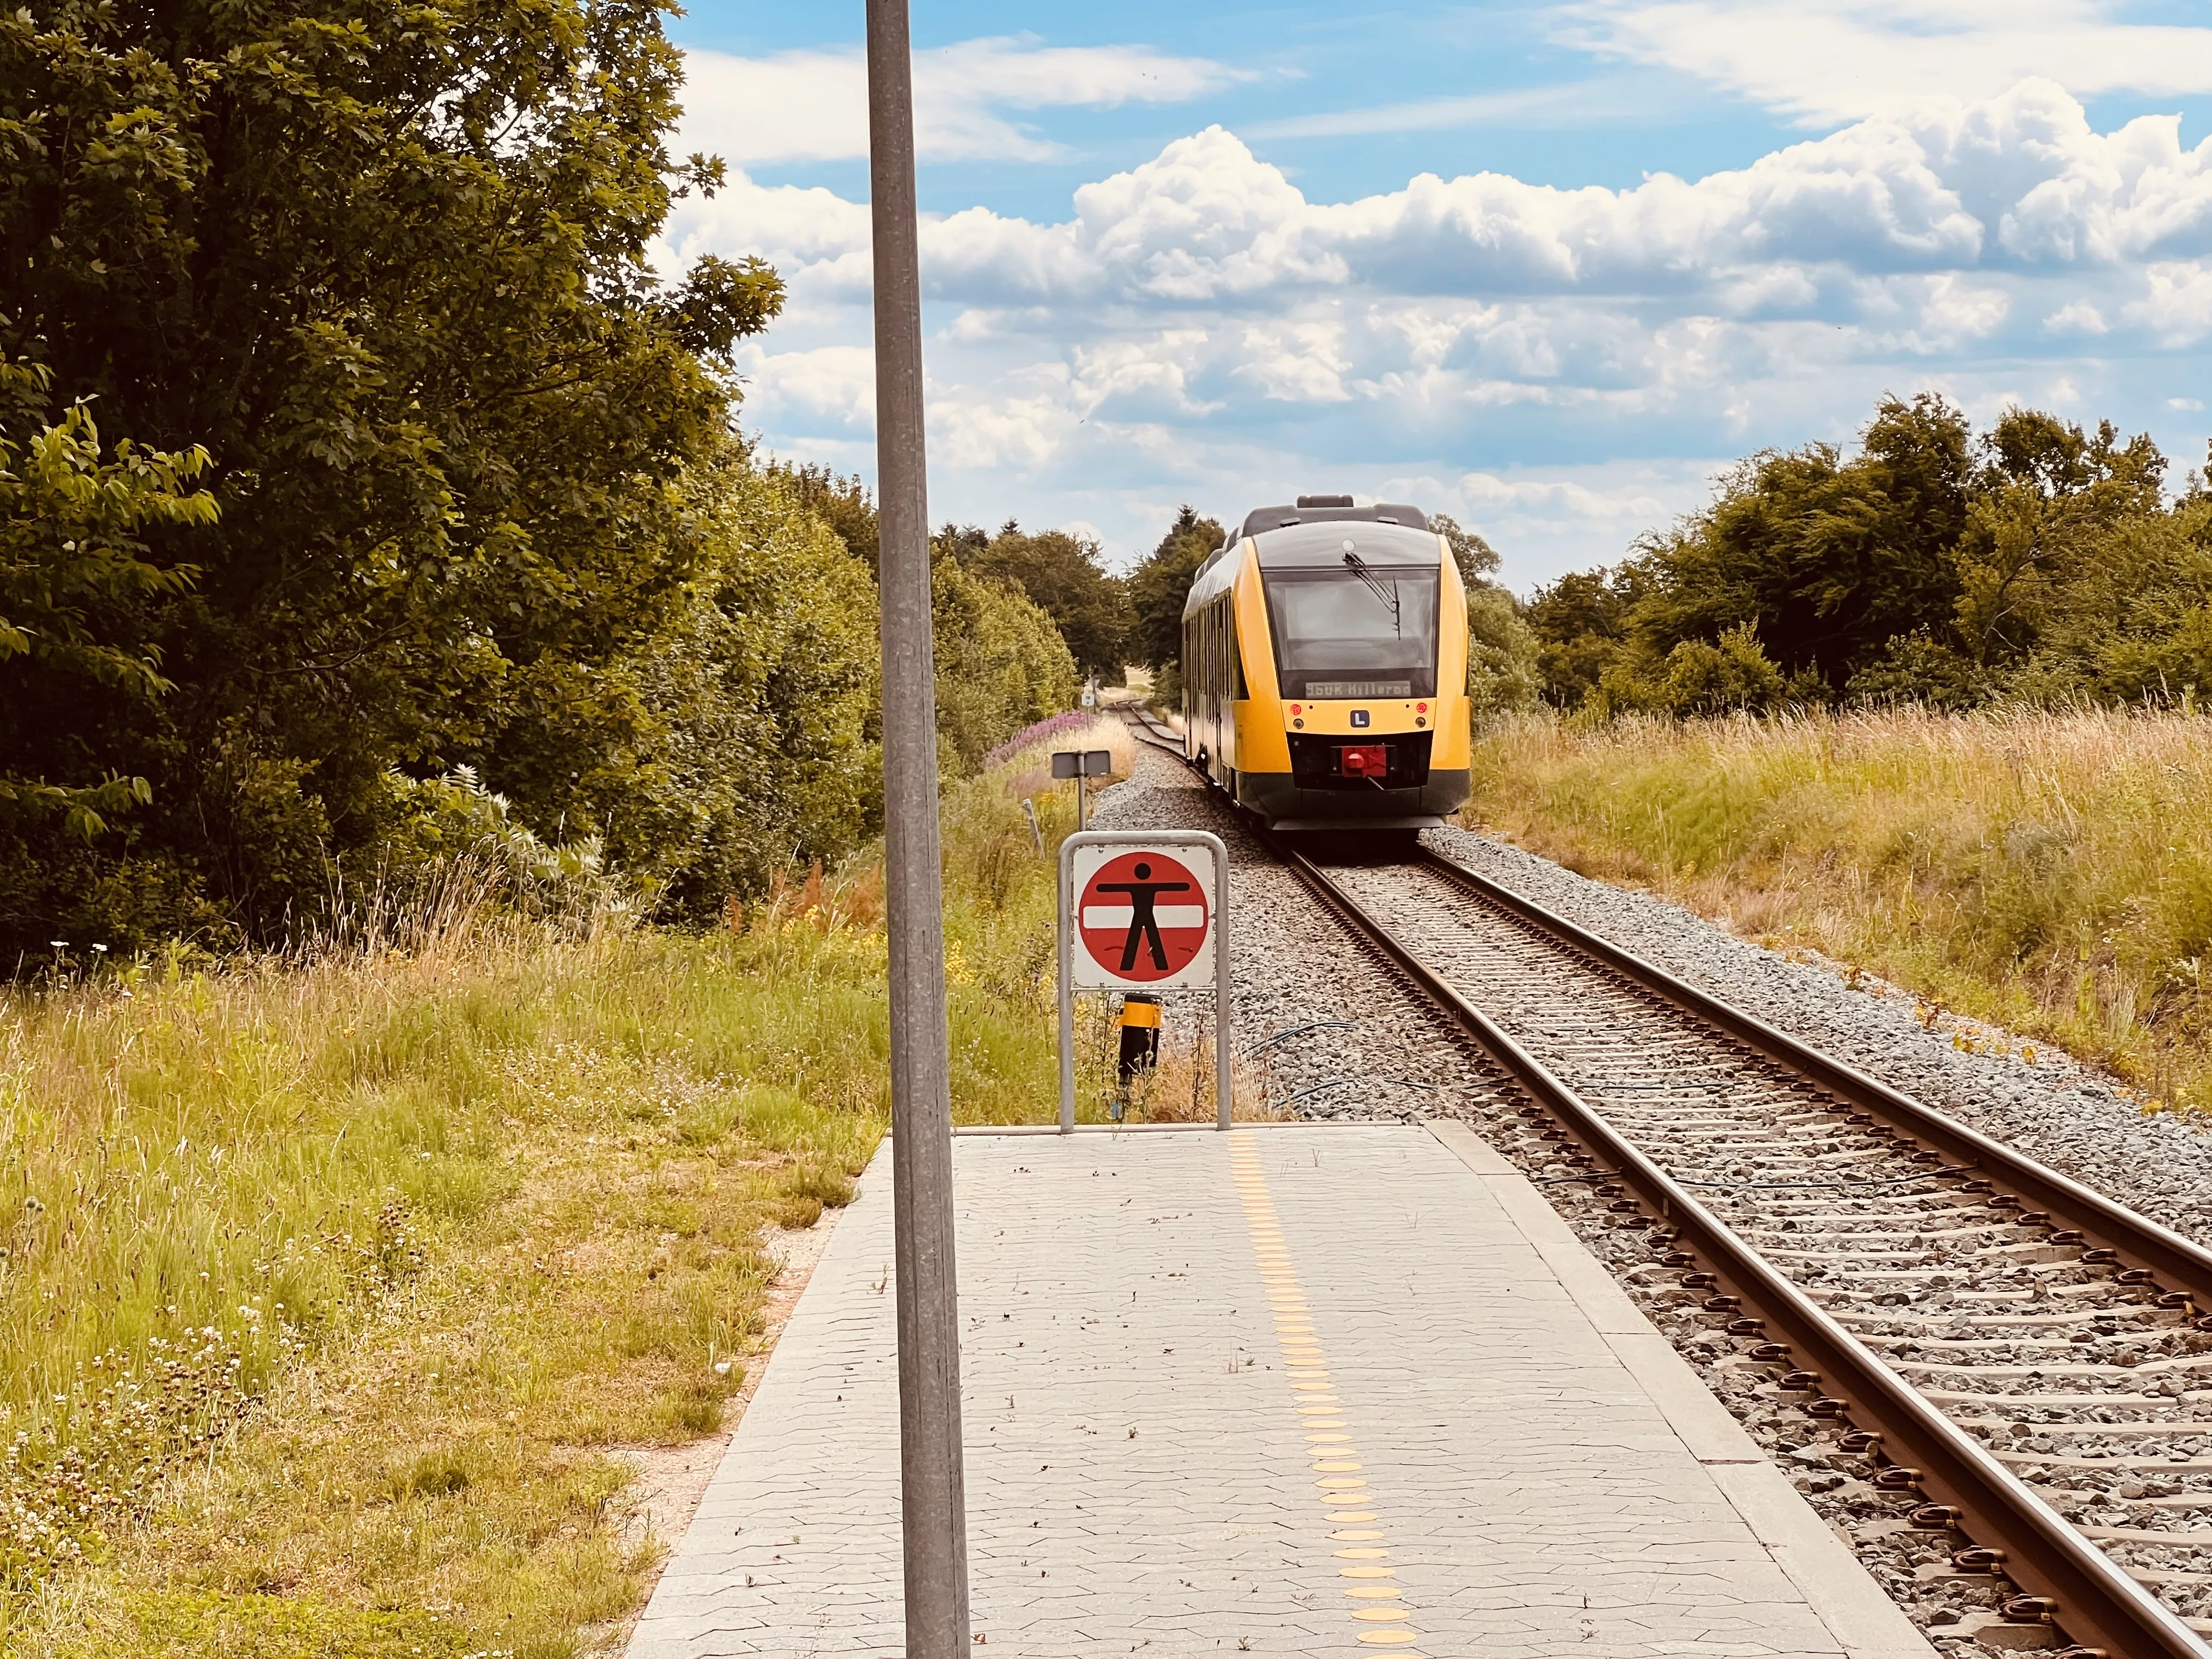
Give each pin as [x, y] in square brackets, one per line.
[931, 1488]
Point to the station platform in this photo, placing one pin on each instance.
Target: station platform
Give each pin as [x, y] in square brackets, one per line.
[1291, 1389]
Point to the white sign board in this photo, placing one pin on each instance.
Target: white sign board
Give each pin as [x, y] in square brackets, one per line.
[1140, 910]
[1144, 918]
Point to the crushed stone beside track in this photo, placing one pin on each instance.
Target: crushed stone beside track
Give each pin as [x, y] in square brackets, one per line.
[2080, 1121]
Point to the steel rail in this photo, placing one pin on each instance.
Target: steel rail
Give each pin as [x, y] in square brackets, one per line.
[2096, 1601]
[2139, 1241]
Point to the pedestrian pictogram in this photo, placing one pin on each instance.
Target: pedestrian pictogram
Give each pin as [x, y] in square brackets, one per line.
[1140, 913]
[1144, 917]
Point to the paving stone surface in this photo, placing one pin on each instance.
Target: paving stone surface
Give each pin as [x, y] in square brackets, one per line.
[1288, 1390]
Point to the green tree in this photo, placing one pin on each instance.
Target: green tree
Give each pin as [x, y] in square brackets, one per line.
[76, 574]
[760, 696]
[1825, 560]
[2134, 623]
[1503, 671]
[843, 504]
[1160, 584]
[1001, 664]
[386, 265]
[1065, 575]
[1582, 625]
[1476, 558]
[2049, 491]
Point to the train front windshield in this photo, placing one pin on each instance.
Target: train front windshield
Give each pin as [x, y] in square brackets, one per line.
[1353, 629]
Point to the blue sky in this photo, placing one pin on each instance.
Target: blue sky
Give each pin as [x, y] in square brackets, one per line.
[1548, 268]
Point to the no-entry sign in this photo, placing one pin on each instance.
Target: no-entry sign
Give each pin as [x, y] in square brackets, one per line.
[1141, 909]
[1144, 917]
[1141, 914]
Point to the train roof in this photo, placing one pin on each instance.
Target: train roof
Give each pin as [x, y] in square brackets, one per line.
[1332, 509]
[1310, 542]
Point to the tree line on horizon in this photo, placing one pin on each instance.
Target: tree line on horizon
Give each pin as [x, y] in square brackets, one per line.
[2039, 562]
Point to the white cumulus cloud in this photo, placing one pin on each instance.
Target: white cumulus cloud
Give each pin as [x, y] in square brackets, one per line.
[1197, 313]
[813, 106]
[1836, 60]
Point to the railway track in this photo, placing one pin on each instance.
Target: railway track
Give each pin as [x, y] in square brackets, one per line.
[2011, 1369]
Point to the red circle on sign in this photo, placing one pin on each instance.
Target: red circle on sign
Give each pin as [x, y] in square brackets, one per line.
[1143, 917]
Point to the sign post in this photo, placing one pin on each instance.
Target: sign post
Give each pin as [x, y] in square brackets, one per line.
[932, 1498]
[1143, 910]
[1082, 765]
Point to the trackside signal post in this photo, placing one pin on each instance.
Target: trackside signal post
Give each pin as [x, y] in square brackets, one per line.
[1143, 910]
[932, 1502]
[1082, 765]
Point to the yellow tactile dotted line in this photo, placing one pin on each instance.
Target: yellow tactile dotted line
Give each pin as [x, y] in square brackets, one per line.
[1339, 1483]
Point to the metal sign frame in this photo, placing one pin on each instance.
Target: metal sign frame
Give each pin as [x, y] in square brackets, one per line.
[1223, 1050]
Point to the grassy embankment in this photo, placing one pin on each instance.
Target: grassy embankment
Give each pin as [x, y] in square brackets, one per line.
[2050, 872]
[330, 1290]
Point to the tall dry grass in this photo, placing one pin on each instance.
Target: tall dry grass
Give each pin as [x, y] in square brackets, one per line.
[1184, 1086]
[1025, 768]
[328, 1284]
[2050, 870]
[331, 1283]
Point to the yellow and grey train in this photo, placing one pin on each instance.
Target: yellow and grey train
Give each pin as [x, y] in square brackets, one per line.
[1325, 668]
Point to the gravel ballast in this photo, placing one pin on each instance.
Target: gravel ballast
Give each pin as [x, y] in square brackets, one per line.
[2078, 1121]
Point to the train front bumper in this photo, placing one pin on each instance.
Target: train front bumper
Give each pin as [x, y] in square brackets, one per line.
[1285, 805]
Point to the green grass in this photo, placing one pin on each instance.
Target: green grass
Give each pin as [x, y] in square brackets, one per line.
[330, 1289]
[2049, 871]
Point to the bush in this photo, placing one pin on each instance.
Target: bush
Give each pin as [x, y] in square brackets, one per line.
[1000, 666]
